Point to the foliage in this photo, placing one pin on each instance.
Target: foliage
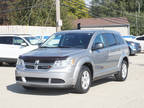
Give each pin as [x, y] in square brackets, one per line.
[121, 8]
[43, 13]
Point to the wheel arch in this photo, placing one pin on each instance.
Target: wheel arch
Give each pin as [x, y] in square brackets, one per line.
[82, 62]
[127, 60]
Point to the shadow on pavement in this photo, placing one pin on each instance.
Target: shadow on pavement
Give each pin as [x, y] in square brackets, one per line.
[103, 81]
[38, 91]
[52, 92]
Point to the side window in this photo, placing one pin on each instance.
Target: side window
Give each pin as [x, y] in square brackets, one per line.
[18, 41]
[140, 38]
[109, 39]
[99, 39]
[6, 40]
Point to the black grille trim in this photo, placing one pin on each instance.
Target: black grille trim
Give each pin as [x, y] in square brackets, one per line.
[18, 79]
[32, 59]
[29, 67]
[54, 80]
[39, 67]
[32, 79]
[44, 67]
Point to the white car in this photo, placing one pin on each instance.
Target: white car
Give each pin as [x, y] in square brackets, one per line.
[11, 46]
[138, 39]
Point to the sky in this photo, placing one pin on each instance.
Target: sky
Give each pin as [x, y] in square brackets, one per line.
[87, 1]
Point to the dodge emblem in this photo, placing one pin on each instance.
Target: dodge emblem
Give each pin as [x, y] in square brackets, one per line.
[36, 64]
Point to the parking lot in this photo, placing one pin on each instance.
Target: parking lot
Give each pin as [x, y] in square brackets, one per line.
[105, 93]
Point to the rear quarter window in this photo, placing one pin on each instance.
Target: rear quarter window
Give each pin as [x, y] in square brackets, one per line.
[140, 38]
[119, 39]
[6, 40]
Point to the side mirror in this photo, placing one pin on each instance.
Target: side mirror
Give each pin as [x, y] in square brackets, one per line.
[39, 44]
[23, 44]
[98, 46]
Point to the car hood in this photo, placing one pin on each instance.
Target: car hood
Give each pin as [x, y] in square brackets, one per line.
[54, 52]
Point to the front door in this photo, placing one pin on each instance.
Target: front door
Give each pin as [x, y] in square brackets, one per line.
[100, 57]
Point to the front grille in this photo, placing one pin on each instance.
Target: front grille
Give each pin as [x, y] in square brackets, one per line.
[31, 66]
[31, 79]
[44, 67]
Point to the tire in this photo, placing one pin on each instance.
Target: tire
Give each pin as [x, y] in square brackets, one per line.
[130, 53]
[84, 80]
[28, 88]
[123, 73]
[1, 63]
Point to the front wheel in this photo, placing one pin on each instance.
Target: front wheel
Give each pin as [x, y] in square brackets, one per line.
[122, 74]
[84, 80]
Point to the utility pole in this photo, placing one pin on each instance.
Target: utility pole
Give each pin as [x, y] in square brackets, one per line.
[137, 14]
[58, 19]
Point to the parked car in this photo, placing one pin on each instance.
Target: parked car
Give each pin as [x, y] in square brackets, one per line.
[74, 59]
[137, 39]
[11, 46]
[134, 47]
[140, 40]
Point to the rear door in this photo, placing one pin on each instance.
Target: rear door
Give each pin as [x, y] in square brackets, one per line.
[114, 51]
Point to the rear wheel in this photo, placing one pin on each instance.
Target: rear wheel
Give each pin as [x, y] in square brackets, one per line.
[122, 74]
[84, 80]
[1, 63]
[130, 53]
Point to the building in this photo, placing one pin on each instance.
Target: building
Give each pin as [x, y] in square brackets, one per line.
[21, 29]
[119, 24]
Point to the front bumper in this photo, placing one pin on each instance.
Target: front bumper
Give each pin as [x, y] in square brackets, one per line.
[56, 78]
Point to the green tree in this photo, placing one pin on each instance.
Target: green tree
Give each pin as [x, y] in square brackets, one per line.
[76, 8]
[42, 12]
[121, 8]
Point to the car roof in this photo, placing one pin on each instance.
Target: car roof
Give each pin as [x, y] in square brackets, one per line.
[88, 31]
[130, 36]
[139, 36]
[17, 35]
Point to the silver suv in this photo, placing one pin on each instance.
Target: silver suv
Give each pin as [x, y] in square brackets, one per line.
[74, 59]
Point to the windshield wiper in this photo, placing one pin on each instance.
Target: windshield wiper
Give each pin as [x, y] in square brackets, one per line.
[64, 47]
[56, 47]
[46, 47]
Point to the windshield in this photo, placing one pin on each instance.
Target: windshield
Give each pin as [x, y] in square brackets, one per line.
[68, 40]
[32, 40]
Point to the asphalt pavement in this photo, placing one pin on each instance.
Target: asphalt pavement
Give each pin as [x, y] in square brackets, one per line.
[105, 93]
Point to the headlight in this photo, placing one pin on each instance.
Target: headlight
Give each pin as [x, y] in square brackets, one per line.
[64, 63]
[132, 44]
[20, 62]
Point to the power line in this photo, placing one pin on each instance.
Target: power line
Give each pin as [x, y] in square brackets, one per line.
[105, 7]
[23, 8]
[92, 14]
